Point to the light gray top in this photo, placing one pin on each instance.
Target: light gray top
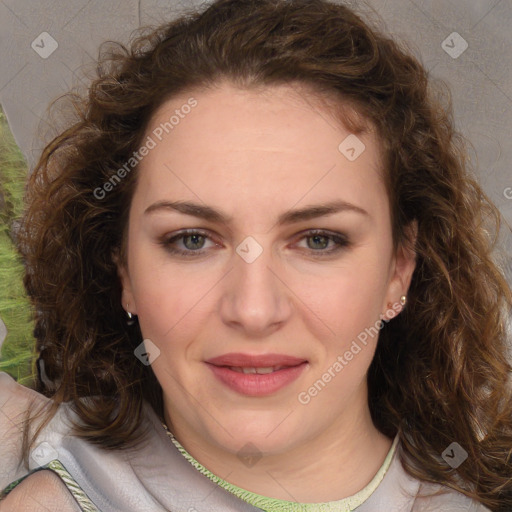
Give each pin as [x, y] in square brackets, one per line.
[157, 477]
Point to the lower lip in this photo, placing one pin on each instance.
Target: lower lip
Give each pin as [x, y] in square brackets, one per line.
[254, 384]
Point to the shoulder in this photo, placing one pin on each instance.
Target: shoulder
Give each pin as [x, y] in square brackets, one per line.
[415, 495]
[15, 403]
[40, 492]
[15, 398]
[434, 497]
[448, 500]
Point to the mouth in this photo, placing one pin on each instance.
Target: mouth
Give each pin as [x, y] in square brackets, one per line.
[256, 375]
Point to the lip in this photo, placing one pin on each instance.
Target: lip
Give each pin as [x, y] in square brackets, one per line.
[254, 384]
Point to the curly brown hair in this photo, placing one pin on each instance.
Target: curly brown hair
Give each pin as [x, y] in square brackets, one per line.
[441, 370]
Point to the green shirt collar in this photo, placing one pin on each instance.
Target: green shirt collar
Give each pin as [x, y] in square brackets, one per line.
[275, 505]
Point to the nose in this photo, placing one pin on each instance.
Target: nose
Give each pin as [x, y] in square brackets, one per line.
[255, 298]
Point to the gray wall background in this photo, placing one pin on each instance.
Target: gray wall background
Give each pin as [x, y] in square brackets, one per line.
[48, 45]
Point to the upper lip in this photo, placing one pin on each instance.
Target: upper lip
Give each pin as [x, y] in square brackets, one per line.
[255, 361]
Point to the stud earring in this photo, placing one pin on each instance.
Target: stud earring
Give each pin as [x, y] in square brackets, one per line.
[403, 300]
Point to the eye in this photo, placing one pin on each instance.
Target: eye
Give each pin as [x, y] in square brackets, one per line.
[193, 242]
[318, 241]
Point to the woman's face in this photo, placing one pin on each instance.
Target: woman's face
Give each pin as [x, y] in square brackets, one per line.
[287, 256]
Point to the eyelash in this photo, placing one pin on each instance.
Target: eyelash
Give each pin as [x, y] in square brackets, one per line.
[339, 239]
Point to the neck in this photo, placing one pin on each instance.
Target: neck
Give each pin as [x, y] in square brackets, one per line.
[336, 464]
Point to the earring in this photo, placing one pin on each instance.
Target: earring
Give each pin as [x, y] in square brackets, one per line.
[403, 300]
[130, 320]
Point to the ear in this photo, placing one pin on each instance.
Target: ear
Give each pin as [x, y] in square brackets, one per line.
[402, 269]
[127, 297]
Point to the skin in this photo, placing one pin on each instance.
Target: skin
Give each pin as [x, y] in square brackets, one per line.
[254, 155]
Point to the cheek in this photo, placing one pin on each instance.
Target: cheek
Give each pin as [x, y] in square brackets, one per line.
[346, 298]
[171, 302]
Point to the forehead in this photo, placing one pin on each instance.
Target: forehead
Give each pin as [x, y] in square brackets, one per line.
[245, 145]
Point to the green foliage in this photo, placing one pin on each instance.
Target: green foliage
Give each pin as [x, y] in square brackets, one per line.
[17, 356]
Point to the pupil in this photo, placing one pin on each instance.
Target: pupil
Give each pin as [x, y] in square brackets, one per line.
[317, 238]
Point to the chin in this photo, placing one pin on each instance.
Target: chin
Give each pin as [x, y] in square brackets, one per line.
[267, 432]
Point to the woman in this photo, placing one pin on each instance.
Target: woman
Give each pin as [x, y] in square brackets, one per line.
[263, 281]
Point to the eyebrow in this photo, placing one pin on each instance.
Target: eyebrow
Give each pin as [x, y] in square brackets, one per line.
[289, 217]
